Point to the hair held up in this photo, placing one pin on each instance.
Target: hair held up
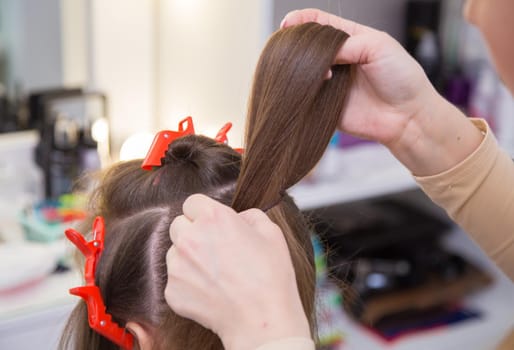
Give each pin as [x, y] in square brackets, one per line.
[293, 111]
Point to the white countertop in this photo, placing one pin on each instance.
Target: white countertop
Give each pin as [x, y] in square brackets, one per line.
[40, 296]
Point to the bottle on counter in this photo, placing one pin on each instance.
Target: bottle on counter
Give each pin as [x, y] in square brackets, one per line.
[63, 158]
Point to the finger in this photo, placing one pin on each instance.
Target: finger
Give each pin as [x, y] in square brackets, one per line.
[171, 256]
[186, 244]
[359, 49]
[181, 269]
[321, 17]
[185, 299]
[260, 222]
[189, 303]
[178, 270]
[200, 206]
[179, 225]
[254, 216]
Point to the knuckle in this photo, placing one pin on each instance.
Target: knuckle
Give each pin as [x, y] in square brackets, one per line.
[257, 214]
[179, 307]
[177, 271]
[168, 292]
[274, 228]
[195, 198]
[195, 201]
[177, 227]
[178, 241]
[272, 231]
[174, 232]
[386, 38]
[173, 273]
[208, 212]
[187, 246]
[173, 300]
[171, 256]
[214, 215]
[384, 34]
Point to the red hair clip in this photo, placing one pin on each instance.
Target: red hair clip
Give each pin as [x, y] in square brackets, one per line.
[99, 320]
[163, 139]
[221, 136]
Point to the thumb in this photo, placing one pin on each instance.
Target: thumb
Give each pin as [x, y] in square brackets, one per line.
[297, 17]
[199, 206]
[359, 49]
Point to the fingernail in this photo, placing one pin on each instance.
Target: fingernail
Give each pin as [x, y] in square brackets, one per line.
[283, 23]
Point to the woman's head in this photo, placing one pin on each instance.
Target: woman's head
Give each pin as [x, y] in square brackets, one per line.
[138, 207]
[495, 18]
[290, 98]
[192, 164]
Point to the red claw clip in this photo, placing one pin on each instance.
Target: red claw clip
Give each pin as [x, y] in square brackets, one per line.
[99, 320]
[221, 136]
[163, 139]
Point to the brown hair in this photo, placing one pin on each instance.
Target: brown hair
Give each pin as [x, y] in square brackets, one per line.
[290, 98]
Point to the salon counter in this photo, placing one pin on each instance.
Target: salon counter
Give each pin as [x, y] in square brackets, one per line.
[33, 317]
[485, 333]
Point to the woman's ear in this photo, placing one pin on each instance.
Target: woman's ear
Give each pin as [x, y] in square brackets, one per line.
[142, 338]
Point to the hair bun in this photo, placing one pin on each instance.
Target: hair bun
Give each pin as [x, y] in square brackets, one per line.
[193, 149]
[182, 150]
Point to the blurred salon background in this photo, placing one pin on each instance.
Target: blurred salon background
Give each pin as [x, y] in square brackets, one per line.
[85, 83]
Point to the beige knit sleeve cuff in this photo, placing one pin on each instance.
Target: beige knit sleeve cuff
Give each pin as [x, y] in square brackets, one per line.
[481, 158]
[478, 194]
[289, 344]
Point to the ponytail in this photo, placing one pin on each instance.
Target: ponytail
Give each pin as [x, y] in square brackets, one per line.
[293, 112]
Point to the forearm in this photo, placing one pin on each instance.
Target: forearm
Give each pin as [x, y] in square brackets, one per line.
[436, 138]
[282, 333]
[289, 344]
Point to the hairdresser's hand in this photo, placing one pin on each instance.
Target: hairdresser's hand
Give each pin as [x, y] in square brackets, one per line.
[392, 100]
[233, 274]
[390, 86]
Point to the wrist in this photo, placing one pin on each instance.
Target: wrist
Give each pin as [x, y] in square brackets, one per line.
[436, 138]
[258, 328]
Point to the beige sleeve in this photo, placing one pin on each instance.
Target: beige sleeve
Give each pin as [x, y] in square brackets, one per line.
[289, 344]
[478, 194]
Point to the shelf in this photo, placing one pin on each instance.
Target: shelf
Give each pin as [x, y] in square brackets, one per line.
[35, 316]
[363, 171]
[18, 139]
[40, 296]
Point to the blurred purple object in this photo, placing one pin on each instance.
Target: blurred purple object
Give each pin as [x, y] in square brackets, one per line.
[346, 140]
[458, 91]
